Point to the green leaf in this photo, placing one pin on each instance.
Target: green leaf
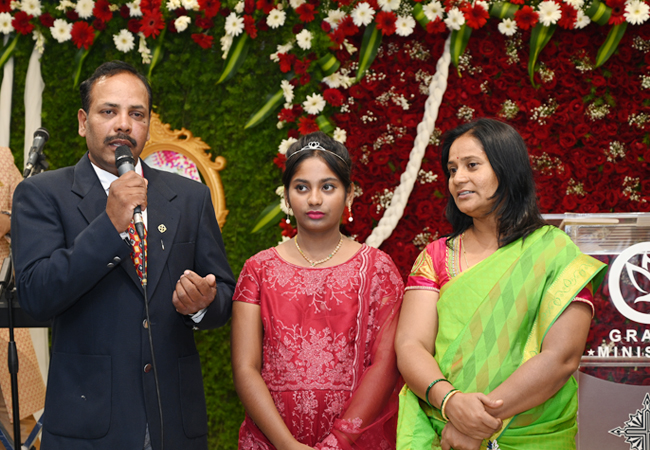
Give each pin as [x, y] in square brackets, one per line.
[236, 56]
[538, 40]
[324, 124]
[329, 64]
[369, 46]
[271, 214]
[609, 46]
[157, 53]
[599, 12]
[9, 50]
[459, 40]
[266, 110]
[418, 13]
[503, 10]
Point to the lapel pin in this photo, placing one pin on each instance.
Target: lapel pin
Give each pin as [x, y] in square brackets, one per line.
[162, 228]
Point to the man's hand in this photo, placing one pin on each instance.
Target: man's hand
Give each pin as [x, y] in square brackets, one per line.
[194, 293]
[125, 193]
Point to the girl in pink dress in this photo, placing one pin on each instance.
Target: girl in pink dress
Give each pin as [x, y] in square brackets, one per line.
[314, 322]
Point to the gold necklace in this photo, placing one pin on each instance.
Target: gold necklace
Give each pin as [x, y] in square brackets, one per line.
[462, 244]
[321, 261]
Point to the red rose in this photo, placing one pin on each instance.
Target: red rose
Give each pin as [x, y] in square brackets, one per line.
[297, 28]
[46, 20]
[385, 21]
[307, 125]
[204, 23]
[99, 24]
[152, 24]
[293, 133]
[475, 15]
[125, 11]
[249, 6]
[83, 35]
[568, 140]
[5, 6]
[436, 26]
[72, 15]
[21, 24]
[286, 61]
[526, 17]
[102, 10]
[205, 41]
[333, 97]
[325, 26]
[209, 7]
[249, 26]
[134, 26]
[306, 12]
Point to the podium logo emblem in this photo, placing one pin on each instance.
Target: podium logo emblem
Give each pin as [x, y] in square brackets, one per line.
[622, 263]
[637, 430]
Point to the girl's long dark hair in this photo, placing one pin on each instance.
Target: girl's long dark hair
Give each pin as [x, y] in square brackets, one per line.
[515, 198]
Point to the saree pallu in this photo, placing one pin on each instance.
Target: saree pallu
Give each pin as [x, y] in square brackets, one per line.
[493, 318]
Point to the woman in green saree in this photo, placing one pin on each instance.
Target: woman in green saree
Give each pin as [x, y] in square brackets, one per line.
[496, 315]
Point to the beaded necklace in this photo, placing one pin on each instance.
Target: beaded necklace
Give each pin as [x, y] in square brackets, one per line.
[320, 261]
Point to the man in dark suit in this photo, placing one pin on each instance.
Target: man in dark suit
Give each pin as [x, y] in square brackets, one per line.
[74, 267]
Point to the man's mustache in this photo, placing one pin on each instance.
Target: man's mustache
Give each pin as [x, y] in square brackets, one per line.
[122, 137]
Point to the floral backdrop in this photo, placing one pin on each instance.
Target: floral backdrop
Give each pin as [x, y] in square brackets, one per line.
[572, 76]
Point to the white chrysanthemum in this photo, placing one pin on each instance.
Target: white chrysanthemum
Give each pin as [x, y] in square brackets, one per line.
[287, 91]
[637, 12]
[234, 24]
[61, 30]
[482, 4]
[303, 39]
[182, 23]
[226, 43]
[85, 8]
[404, 25]
[455, 19]
[40, 41]
[349, 47]
[314, 104]
[144, 51]
[582, 20]
[191, 5]
[508, 27]
[337, 80]
[281, 49]
[334, 17]
[173, 5]
[340, 135]
[433, 10]
[577, 4]
[276, 18]
[124, 40]
[32, 7]
[549, 13]
[388, 5]
[284, 146]
[134, 9]
[295, 4]
[64, 4]
[362, 14]
[5, 23]
[239, 7]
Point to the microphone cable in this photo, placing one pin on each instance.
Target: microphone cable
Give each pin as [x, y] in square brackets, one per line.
[153, 355]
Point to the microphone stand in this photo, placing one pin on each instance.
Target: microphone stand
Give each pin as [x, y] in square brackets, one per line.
[41, 165]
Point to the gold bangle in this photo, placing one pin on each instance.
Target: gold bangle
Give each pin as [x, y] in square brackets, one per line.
[445, 400]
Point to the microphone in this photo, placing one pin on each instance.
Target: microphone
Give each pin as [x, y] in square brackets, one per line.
[40, 138]
[125, 163]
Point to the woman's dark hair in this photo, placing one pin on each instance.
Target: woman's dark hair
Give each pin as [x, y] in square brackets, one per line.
[336, 157]
[515, 198]
[108, 69]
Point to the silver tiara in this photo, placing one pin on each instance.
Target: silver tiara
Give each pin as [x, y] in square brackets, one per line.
[315, 145]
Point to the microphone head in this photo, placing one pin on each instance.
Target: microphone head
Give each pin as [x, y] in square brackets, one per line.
[124, 159]
[42, 133]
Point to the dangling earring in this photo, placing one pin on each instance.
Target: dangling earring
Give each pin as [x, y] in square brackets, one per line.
[350, 218]
[287, 220]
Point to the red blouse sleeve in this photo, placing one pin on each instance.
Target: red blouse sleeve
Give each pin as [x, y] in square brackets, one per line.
[248, 288]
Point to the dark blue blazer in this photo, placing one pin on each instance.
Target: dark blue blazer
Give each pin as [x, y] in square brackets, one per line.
[72, 267]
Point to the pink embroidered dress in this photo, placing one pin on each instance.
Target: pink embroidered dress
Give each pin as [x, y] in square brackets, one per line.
[328, 358]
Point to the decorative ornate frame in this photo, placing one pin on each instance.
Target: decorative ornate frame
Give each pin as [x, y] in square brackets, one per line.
[182, 141]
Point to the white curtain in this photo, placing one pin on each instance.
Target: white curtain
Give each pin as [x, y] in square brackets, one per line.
[5, 98]
[33, 99]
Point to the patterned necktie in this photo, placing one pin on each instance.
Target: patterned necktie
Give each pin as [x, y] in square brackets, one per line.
[138, 252]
